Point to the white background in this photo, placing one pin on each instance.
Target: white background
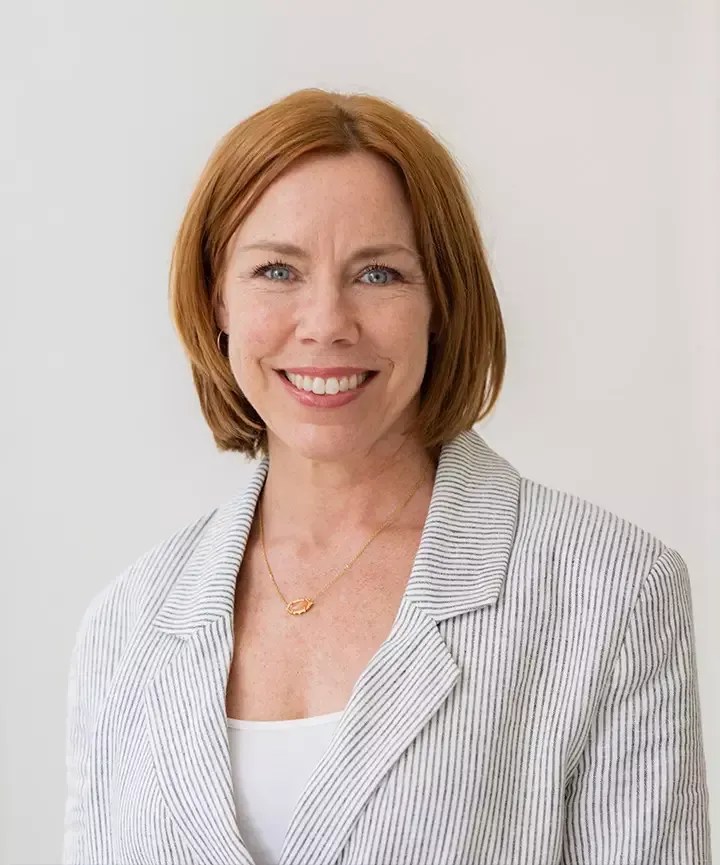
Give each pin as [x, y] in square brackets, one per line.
[589, 134]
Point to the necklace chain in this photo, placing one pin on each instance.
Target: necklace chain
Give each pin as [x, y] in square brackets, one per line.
[302, 605]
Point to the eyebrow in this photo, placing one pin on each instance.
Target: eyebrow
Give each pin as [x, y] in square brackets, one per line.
[374, 251]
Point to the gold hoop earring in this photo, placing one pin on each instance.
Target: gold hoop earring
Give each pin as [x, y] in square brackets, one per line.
[217, 342]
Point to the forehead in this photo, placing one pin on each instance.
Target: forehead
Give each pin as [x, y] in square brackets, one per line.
[356, 194]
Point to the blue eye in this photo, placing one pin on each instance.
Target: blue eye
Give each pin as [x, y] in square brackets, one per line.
[270, 265]
[379, 267]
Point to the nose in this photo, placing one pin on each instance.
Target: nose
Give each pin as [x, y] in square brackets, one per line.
[327, 314]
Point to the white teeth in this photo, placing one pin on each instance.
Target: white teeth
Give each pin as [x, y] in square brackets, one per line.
[326, 386]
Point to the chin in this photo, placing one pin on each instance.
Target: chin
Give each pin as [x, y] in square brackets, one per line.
[326, 443]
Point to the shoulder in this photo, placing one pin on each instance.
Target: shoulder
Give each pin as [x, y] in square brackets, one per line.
[561, 515]
[588, 546]
[126, 601]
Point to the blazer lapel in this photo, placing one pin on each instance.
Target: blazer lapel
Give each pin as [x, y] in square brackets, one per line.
[460, 566]
[185, 701]
[185, 705]
[405, 683]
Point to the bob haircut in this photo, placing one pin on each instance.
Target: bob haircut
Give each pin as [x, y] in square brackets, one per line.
[466, 350]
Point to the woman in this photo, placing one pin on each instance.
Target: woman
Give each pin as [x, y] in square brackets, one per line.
[390, 647]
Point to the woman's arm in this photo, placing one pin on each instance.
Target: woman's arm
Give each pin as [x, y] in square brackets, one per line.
[638, 795]
[75, 847]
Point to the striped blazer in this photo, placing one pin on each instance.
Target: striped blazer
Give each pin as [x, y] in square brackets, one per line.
[535, 702]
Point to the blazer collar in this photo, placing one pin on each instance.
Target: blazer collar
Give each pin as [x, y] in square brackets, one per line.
[460, 564]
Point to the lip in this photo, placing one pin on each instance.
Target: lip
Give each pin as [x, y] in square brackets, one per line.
[315, 400]
[326, 371]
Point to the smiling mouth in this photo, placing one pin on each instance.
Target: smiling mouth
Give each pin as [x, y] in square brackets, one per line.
[331, 385]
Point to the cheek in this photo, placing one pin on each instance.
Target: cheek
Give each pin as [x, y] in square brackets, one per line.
[404, 331]
[256, 330]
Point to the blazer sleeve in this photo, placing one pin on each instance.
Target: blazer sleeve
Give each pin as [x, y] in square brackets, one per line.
[639, 795]
[77, 750]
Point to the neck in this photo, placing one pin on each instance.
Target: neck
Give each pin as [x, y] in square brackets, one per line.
[308, 504]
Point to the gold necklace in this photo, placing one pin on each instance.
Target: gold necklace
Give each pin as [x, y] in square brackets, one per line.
[302, 605]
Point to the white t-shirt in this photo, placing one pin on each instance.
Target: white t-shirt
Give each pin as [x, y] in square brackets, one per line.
[271, 763]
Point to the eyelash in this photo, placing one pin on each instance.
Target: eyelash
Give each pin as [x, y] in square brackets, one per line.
[376, 265]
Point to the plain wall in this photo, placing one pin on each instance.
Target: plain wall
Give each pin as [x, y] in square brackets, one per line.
[589, 134]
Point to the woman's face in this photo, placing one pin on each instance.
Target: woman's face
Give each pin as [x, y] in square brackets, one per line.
[328, 309]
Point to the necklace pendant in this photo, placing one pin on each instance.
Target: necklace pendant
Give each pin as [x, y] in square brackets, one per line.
[300, 606]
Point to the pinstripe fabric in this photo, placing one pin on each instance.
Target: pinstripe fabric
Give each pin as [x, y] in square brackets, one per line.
[535, 702]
